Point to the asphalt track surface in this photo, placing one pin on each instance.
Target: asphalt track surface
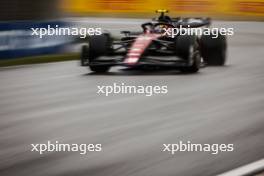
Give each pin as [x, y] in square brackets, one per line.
[58, 101]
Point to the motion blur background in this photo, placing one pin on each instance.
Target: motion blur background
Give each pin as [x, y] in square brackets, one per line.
[58, 101]
[49, 9]
[18, 16]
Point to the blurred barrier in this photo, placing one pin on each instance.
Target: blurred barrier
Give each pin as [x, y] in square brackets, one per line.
[243, 9]
[16, 39]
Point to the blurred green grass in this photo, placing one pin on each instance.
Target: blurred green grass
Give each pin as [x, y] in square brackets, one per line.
[38, 59]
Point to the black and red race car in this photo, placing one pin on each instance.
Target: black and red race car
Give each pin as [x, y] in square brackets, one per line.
[150, 48]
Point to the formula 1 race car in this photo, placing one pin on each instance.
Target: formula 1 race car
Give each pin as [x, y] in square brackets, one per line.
[154, 47]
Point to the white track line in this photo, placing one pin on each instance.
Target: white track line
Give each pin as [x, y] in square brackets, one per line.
[246, 170]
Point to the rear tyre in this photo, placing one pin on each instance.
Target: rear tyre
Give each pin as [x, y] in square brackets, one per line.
[213, 50]
[99, 45]
[187, 49]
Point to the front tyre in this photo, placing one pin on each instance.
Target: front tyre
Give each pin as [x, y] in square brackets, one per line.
[85, 55]
[187, 48]
[195, 65]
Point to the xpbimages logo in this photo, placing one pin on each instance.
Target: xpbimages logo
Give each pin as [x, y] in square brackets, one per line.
[60, 147]
[131, 89]
[65, 31]
[215, 32]
[192, 147]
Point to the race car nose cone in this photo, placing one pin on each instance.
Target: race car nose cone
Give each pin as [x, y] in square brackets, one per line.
[138, 48]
